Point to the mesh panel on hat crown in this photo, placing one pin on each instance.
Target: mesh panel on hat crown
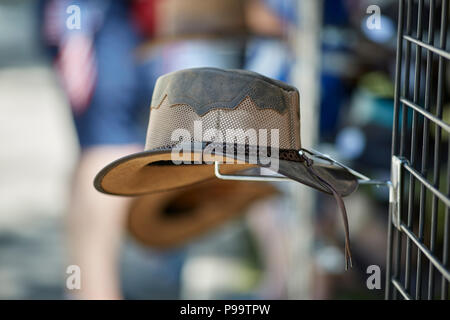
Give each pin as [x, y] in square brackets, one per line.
[166, 118]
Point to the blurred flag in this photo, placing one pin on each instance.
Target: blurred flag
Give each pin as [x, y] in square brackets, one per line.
[77, 68]
[75, 62]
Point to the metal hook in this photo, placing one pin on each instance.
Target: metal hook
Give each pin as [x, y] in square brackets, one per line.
[243, 177]
[363, 180]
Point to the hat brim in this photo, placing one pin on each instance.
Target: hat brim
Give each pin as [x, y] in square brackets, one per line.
[170, 219]
[153, 171]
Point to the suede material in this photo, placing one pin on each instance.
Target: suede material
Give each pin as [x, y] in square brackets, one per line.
[205, 89]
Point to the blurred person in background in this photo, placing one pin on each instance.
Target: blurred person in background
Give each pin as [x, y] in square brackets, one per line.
[108, 68]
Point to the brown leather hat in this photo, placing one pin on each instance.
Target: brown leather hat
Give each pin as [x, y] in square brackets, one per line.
[191, 113]
[239, 119]
[168, 219]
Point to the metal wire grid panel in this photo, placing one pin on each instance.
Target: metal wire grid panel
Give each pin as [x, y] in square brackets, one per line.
[419, 227]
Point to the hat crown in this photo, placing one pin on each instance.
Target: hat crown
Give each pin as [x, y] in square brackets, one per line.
[222, 100]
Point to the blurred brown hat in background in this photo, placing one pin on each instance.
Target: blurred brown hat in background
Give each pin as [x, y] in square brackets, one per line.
[169, 219]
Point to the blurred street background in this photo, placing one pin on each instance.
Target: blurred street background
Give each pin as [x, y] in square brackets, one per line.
[283, 249]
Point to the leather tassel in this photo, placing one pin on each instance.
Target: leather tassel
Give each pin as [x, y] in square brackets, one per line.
[348, 254]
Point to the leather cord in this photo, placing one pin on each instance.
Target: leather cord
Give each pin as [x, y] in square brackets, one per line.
[348, 254]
